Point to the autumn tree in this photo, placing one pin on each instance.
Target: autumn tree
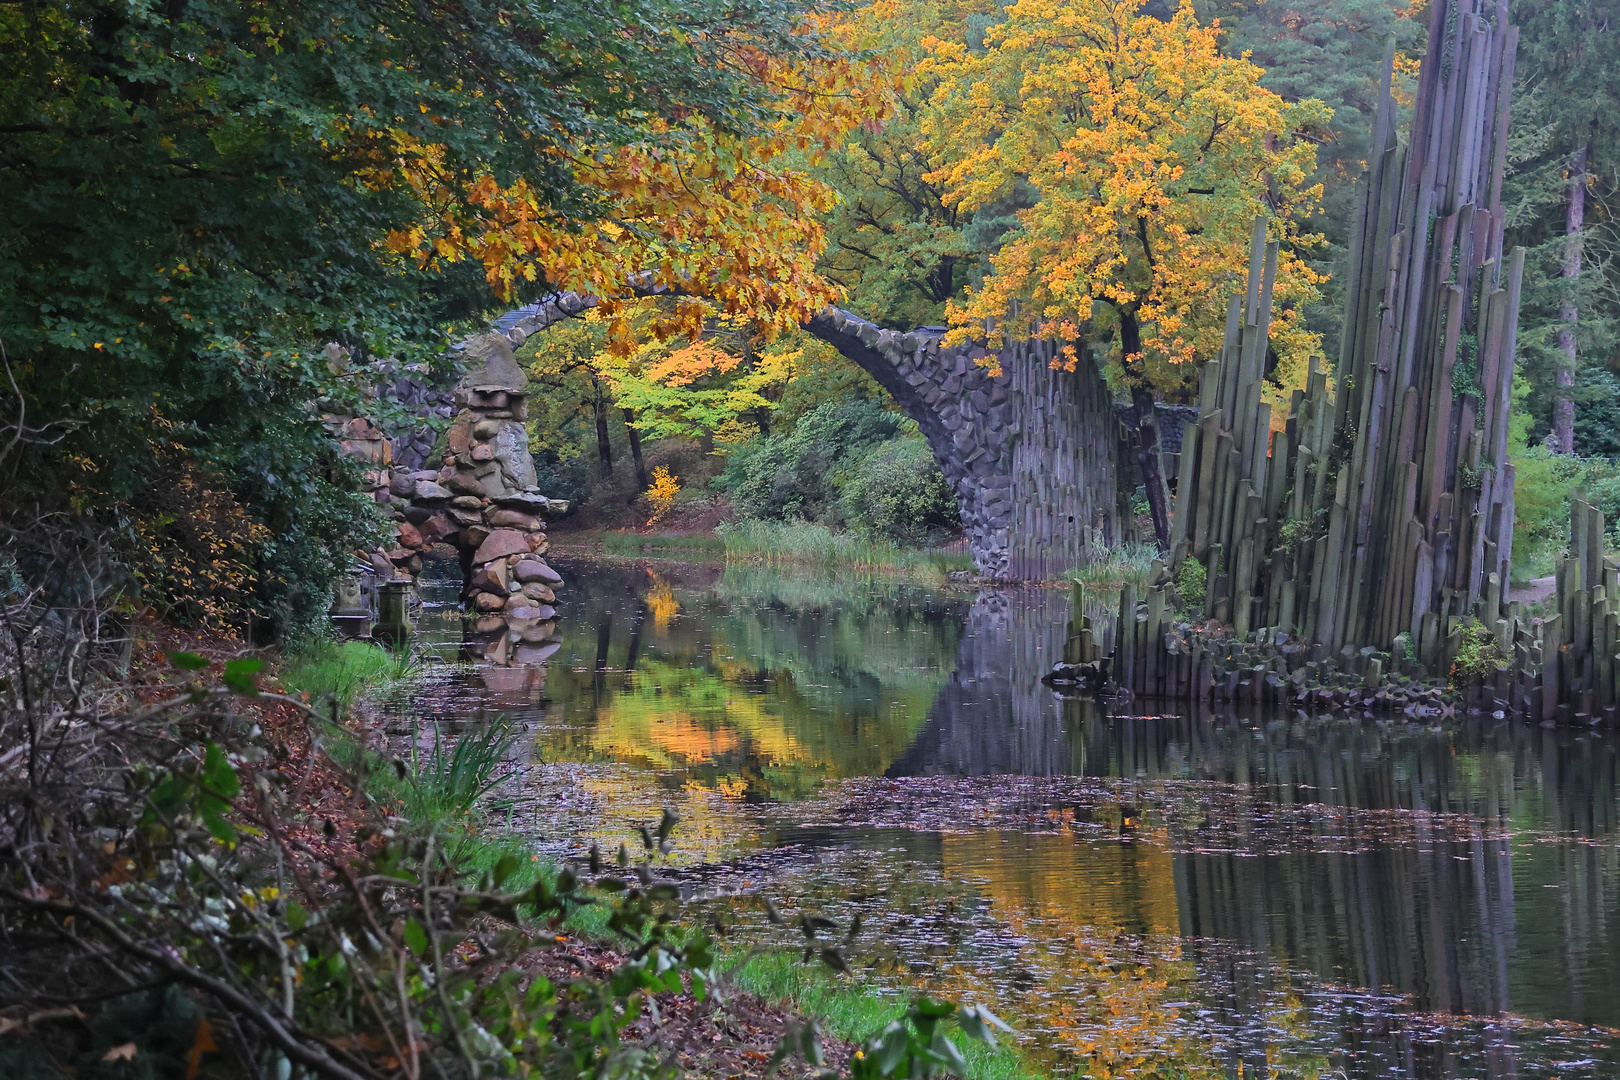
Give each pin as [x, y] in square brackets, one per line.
[1149, 154]
[199, 195]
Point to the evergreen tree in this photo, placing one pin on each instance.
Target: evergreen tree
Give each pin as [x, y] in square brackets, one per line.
[1566, 145]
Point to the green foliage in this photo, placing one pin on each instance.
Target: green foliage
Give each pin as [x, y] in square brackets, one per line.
[1566, 96]
[1542, 484]
[1478, 654]
[199, 197]
[324, 669]
[917, 1046]
[1192, 585]
[896, 491]
[790, 475]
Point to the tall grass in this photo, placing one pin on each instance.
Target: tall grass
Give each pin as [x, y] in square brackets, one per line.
[779, 543]
[450, 783]
[327, 669]
[1128, 563]
[668, 545]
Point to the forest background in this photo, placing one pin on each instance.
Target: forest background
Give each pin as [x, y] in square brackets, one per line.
[198, 198]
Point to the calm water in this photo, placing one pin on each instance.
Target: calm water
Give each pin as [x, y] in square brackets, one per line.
[1247, 893]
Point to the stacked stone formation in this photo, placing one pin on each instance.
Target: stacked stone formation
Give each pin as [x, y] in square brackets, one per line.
[483, 501]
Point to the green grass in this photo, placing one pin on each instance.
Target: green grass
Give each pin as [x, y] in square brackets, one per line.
[1126, 563]
[327, 669]
[666, 545]
[773, 543]
[852, 1009]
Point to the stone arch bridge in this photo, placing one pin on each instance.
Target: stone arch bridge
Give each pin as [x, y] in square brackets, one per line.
[1031, 453]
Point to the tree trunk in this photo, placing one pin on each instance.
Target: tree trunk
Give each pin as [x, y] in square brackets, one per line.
[1148, 461]
[604, 446]
[1563, 420]
[1029, 452]
[635, 452]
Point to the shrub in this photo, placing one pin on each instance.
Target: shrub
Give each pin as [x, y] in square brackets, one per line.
[895, 490]
[791, 475]
[1192, 582]
[661, 494]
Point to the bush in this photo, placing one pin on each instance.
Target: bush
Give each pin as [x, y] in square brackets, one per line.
[785, 476]
[895, 490]
[1542, 484]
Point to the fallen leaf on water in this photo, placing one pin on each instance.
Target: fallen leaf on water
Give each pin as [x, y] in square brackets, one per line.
[120, 1053]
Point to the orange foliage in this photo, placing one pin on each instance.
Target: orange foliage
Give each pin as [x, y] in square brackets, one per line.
[729, 222]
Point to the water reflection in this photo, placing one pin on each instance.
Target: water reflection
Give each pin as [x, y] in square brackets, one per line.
[1395, 898]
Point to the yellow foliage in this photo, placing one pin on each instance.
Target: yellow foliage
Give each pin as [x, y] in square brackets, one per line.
[728, 222]
[1151, 153]
[662, 492]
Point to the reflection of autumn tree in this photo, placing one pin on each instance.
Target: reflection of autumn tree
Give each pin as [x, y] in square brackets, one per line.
[747, 688]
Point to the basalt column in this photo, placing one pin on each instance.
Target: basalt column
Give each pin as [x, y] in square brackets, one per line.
[1028, 449]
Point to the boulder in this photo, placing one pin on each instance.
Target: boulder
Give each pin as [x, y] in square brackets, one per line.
[514, 519]
[485, 430]
[488, 602]
[491, 367]
[408, 535]
[539, 593]
[458, 436]
[463, 484]
[418, 515]
[482, 452]
[401, 483]
[468, 517]
[437, 528]
[500, 544]
[511, 448]
[473, 535]
[428, 491]
[528, 501]
[467, 502]
[534, 570]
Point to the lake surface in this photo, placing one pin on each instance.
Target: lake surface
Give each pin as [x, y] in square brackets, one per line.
[1246, 893]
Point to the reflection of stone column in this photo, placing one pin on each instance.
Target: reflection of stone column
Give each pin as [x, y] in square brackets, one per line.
[994, 716]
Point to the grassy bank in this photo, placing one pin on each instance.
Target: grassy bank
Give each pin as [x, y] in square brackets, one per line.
[697, 545]
[329, 669]
[1127, 563]
[777, 543]
[851, 1009]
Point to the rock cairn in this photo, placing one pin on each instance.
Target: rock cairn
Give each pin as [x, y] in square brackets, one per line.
[483, 501]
